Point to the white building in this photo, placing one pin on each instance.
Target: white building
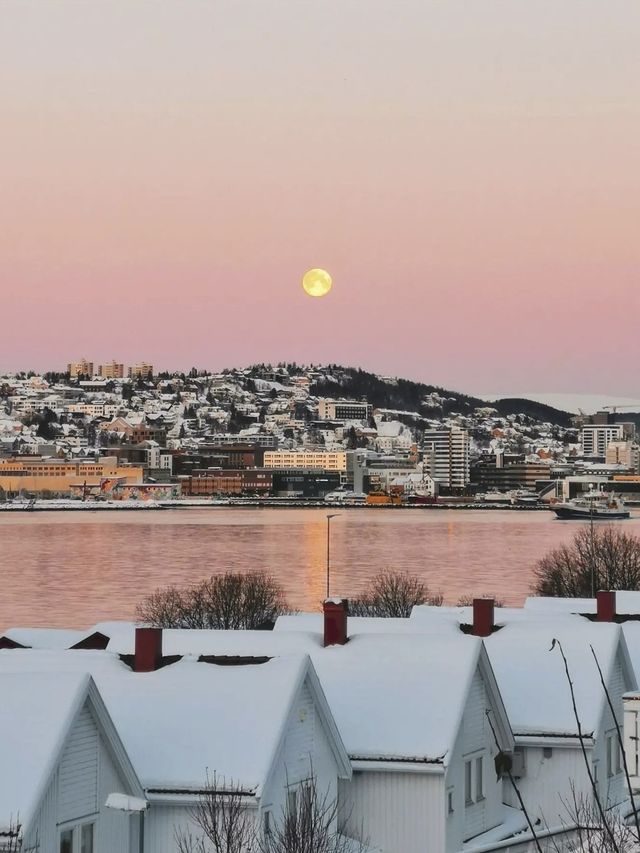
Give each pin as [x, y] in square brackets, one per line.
[595, 438]
[413, 718]
[60, 760]
[262, 727]
[446, 452]
[344, 410]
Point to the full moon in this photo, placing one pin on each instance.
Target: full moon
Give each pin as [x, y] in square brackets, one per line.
[317, 282]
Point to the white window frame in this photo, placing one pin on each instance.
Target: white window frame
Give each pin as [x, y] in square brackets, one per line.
[468, 782]
[75, 827]
[450, 801]
[479, 778]
[474, 778]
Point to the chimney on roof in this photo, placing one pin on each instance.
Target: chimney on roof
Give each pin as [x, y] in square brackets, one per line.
[148, 654]
[605, 605]
[335, 621]
[483, 617]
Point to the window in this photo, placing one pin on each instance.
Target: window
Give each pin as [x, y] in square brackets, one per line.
[86, 838]
[77, 839]
[450, 801]
[292, 802]
[474, 780]
[479, 779]
[266, 822]
[468, 793]
[613, 755]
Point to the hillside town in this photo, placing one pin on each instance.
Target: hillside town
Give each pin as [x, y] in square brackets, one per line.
[106, 432]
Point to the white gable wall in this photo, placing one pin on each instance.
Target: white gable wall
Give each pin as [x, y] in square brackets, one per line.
[305, 751]
[397, 811]
[548, 779]
[160, 824]
[305, 748]
[475, 740]
[77, 792]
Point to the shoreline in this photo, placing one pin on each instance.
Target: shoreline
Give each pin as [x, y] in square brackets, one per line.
[266, 503]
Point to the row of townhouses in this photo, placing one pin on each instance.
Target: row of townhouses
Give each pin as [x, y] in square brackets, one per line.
[457, 729]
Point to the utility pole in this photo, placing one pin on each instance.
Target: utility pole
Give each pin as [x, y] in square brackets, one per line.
[329, 517]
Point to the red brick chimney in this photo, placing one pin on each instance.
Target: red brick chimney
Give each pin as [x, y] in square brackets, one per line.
[335, 621]
[482, 617]
[605, 605]
[148, 653]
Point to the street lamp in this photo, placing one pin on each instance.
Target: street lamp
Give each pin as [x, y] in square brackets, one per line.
[329, 517]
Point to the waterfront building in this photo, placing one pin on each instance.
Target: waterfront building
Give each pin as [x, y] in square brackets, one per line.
[446, 453]
[328, 461]
[344, 410]
[504, 474]
[112, 370]
[142, 370]
[211, 481]
[80, 368]
[37, 475]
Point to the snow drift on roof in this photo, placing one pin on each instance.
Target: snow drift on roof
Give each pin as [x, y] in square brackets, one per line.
[532, 678]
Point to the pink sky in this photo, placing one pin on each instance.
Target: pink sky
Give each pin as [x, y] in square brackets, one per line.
[469, 173]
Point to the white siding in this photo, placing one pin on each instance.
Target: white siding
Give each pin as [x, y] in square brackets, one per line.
[306, 750]
[475, 741]
[548, 780]
[299, 748]
[43, 834]
[78, 788]
[160, 825]
[113, 827]
[613, 789]
[398, 812]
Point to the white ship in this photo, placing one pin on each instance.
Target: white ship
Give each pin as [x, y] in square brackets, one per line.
[596, 506]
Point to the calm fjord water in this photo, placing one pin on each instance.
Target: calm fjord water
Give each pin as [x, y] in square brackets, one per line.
[76, 568]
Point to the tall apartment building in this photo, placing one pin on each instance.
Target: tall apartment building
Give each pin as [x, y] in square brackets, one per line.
[344, 410]
[446, 454]
[80, 368]
[113, 370]
[323, 459]
[594, 438]
[141, 371]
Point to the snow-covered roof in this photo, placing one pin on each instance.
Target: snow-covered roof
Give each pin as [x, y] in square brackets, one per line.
[182, 721]
[373, 681]
[45, 638]
[226, 719]
[532, 677]
[36, 712]
[627, 602]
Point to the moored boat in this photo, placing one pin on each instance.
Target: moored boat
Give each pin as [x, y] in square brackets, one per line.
[594, 506]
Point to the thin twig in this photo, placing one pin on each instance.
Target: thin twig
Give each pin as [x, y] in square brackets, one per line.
[582, 746]
[623, 752]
